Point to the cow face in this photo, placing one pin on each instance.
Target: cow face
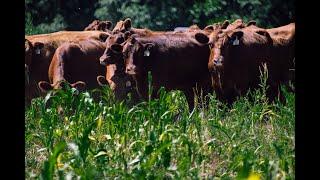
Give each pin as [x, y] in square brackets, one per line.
[112, 55]
[104, 26]
[222, 44]
[119, 82]
[136, 56]
[37, 47]
[113, 52]
[122, 26]
[98, 25]
[92, 26]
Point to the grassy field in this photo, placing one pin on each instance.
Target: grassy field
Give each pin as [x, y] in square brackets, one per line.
[69, 135]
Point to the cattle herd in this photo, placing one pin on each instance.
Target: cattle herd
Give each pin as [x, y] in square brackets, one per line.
[224, 58]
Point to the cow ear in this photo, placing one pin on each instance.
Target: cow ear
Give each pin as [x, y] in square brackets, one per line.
[117, 48]
[202, 38]
[102, 81]
[102, 26]
[251, 23]
[235, 37]
[262, 32]
[96, 22]
[103, 37]
[44, 86]
[225, 24]
[209, 28]
[265, 33]
[147, 48]
[27, 44]
[127, 24]
[79, 85]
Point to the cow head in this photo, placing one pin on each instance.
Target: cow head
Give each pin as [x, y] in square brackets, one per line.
[193, 28]
[136, 55]
[237, 24]
[92, 25]
[104, 26]
[103, 37]
[122, 26]
[221, 46]
[119, 82]
[112, 55]
[113, 51]
[37, 47]
[217, 26]
[251, 23]
[98, 25]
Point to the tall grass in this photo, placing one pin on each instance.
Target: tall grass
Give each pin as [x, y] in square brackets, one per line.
[69, 135]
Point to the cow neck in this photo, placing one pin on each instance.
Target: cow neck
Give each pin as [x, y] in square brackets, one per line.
[120, 70]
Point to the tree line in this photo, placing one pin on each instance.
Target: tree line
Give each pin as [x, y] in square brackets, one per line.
[45, 16]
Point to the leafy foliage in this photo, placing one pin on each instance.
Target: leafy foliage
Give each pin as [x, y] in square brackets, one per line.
[157, 15]
[71, 135]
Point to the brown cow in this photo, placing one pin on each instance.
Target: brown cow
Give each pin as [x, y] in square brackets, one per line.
[126, 27]
[112, 58]
[176, 62]
[226, 25]
[283, 46]
[236, 57]
[77, 64]
[122, 31]
[98, 25]
[39, 50]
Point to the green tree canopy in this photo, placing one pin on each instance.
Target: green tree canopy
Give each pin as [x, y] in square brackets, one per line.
[49, 16]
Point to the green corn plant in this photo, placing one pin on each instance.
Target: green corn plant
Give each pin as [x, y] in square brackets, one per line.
[49, 165]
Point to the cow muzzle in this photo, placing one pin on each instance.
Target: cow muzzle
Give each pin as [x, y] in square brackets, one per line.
[218, 61]
[103, 60]
[131, 70]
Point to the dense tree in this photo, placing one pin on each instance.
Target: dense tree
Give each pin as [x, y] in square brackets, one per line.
[49, 16]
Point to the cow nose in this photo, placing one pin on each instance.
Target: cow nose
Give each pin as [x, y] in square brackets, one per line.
[218, 61]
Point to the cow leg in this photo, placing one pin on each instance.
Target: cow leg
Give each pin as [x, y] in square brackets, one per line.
[274, 92]
[56, 70]
[190, 98]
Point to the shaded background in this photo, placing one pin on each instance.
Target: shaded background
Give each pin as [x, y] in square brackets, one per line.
[44, 16]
